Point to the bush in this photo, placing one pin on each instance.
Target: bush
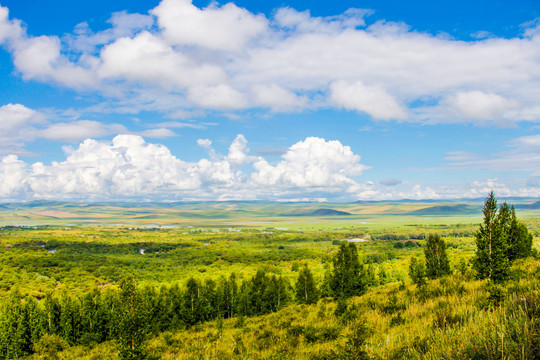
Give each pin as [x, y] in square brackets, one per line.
[49, 346]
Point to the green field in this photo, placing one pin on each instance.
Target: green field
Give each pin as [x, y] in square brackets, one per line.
[54, 250]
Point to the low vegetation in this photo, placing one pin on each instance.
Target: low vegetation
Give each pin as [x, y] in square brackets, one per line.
[418, 292]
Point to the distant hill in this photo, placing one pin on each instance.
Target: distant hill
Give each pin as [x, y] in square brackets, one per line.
[533, 206]
[319, 212]
[447, 210]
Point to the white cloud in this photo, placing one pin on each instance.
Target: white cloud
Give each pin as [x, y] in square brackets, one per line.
[480, 105]
[13, 117]
[79, 130]
[311, 163]
[204, 143]
[227, 58]
[238, 151]
[127, 168]
[221, 97]
[148, 59]
[370, 99]
[40, 58]
[12, 175]
[303, 22]
[17, 126]
[221, 28]
[158, 133]
[310, 169]
[277, 98]
[478, 189]
[123, 25]
[9, 29]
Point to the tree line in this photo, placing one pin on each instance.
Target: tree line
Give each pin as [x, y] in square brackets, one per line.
[131, 313]
[500, 240]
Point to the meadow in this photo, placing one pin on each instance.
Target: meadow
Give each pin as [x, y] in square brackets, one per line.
[66, 250]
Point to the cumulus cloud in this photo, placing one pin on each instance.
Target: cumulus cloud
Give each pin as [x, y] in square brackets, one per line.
[127, 168]
[479, 105]
[311, 163]
[370, 99]
[227, 58]
[15, 116]
[20, 124]
[40, 58]
[148, 59]
[473, 190]
[17, 125]
[311, 169]
[220, 28]
[13, 174]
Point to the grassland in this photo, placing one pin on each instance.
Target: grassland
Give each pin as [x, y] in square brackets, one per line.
[67, 248]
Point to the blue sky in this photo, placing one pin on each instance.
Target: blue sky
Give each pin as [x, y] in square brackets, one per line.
[342, 101]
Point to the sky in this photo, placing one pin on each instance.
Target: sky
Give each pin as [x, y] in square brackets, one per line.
[175, 100]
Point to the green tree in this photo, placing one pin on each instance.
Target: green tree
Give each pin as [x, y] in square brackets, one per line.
[437, 263]
[306, 289]
[519, 238]
[192, 304]
[132, 325]
[491, 260]
[383, 276]
[348, 278]
[417, 271]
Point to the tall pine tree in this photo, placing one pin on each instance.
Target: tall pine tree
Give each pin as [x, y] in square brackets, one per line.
[348, 278]
[491, 260]
[518, 237]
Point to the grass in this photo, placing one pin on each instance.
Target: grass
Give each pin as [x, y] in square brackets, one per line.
[449, 318]
[456, 317]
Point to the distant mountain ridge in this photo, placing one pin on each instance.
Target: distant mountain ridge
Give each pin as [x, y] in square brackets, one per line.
[447, 210]
[533, 206]
[320, 212]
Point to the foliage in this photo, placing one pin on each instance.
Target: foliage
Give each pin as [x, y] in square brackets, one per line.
[519, 238]
[417, 271]
[437, 263]
[306, 289]
[491, 261]
[500, 240]
[347, 277]
[219, 294]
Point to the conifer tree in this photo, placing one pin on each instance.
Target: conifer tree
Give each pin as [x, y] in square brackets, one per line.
[519, 238]
[437, 263]
[306, 289]
[348, 278]
[491, 261]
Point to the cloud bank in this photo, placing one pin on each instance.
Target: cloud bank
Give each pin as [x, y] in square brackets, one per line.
[129, 168]
[226, 58]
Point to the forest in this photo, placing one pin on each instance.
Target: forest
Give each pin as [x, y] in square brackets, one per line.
[457, 291]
